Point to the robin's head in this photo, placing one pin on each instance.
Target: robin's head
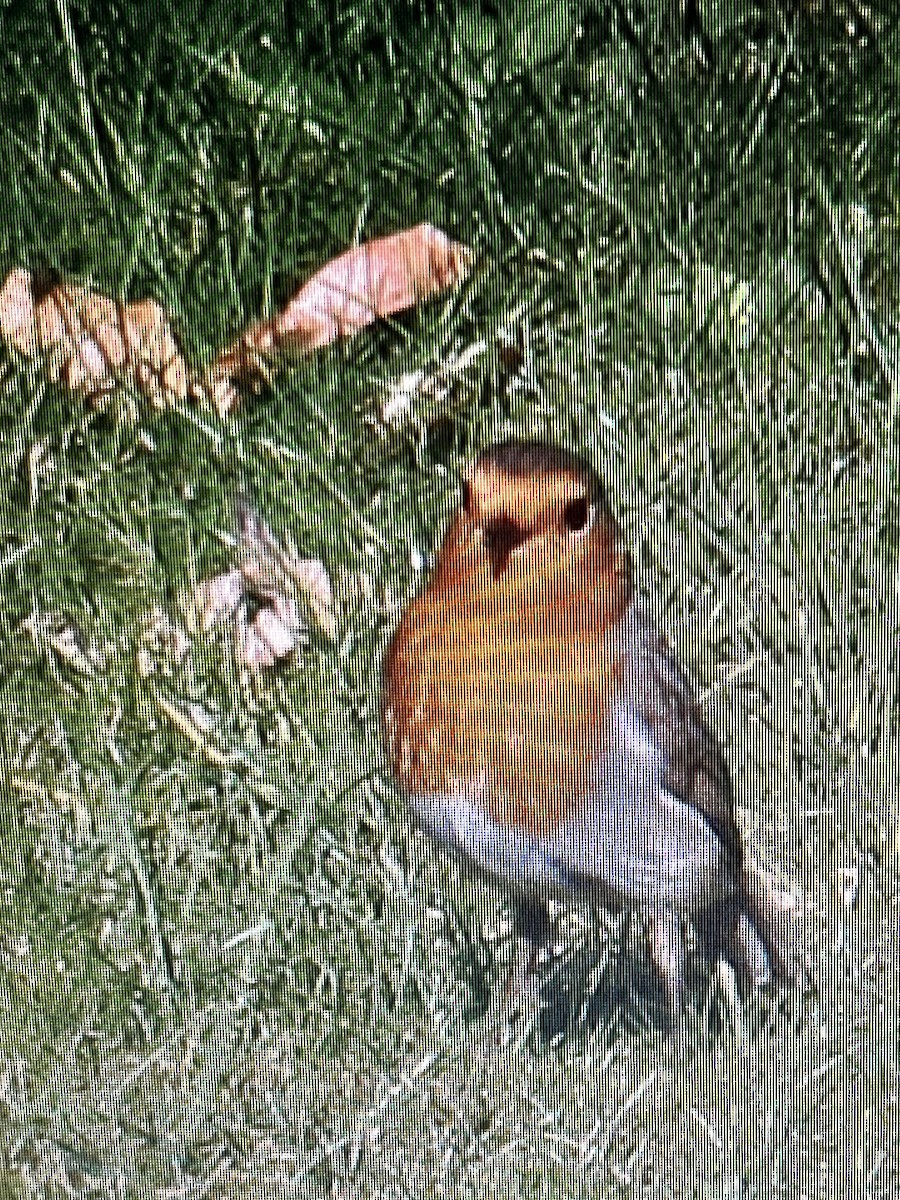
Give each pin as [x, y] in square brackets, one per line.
[532, 516]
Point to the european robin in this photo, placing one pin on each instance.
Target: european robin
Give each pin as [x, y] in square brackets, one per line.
[539, 726]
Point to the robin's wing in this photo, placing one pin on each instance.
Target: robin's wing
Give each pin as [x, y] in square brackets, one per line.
[695, 771]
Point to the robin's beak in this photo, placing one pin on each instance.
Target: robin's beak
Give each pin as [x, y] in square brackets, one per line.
[500, 538]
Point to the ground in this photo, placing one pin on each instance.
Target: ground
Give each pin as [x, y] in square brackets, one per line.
[229, 965]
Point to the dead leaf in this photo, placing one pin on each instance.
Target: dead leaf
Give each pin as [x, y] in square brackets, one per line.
[264, 596]
[217, 598]
[90, 343]
[272, 633]
[377, 279]
[17, 319]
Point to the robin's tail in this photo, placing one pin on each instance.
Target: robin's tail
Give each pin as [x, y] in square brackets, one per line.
[752, 929]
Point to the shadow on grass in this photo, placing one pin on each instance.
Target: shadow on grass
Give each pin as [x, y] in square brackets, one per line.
[602, 987]
[599, 984]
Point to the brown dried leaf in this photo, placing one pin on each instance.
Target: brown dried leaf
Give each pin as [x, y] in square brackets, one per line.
[380, 278]
[90, 343]
[17, 319]
[273, 633]
[374, 280]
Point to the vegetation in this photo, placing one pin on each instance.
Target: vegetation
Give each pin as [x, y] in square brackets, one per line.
[228, 963]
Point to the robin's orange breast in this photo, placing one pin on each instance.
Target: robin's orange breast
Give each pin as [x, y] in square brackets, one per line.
[518, 704]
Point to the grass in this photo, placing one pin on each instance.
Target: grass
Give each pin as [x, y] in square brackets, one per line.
[228, 964]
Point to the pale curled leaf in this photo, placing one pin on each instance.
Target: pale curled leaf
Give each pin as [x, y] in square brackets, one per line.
[91, 344]
[273, 631]
[265, 594]
[272, 568]
[217, 598]
[277, 629]
[266, 563]
[377, 279]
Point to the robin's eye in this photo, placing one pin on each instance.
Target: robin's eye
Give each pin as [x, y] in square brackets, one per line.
[465, 497]
[576, 514]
